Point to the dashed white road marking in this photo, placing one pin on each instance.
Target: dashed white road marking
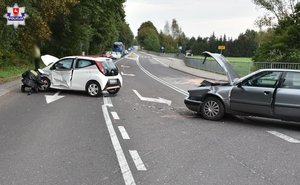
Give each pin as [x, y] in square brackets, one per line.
[124, 74]
[126, 172]
[123, 132]
[125, 66]
[115, 115]
[284, 137]
[137, 160]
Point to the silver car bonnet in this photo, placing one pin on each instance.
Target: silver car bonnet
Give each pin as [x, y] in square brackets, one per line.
[222, 61]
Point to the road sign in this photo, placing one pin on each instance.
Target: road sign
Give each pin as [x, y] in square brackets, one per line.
[221, 47]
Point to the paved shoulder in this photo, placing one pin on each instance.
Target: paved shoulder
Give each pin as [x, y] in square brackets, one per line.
[9, 86]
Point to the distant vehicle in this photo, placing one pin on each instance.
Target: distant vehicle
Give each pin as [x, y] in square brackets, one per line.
[116, 55]
[92, 74]
[107, 54]
[119, 47]
[272, 93]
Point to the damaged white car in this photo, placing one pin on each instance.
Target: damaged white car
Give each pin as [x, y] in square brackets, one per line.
[92, 74]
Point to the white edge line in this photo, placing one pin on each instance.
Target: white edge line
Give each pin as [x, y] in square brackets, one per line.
[123, 132]
[126, 172]
[137, 160]
[160, 62]
[115, 115]
[284, 137]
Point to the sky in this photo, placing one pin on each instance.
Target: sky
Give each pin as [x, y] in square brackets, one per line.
[195, 17]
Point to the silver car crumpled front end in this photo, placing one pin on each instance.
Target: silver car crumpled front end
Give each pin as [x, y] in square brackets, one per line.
[195, 98]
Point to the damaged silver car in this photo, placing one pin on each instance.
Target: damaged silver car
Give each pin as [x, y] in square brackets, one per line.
[272, 93]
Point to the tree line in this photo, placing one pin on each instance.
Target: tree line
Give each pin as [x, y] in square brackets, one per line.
[172, 38]
[63, 27]
[280, 42]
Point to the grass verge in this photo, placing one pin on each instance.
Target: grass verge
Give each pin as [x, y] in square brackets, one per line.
[11, 73]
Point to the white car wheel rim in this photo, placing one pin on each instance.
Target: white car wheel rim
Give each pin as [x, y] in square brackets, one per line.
[93, 89]
[211, 109]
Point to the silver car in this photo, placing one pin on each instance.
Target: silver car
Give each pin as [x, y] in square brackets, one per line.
[272, 93]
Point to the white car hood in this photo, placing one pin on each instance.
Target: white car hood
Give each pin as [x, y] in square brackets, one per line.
[48, 59]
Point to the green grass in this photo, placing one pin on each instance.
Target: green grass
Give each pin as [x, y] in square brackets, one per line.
[10, 73]
[242, 65]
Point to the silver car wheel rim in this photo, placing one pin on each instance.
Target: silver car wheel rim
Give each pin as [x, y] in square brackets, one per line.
[93, 89]
[45, 85]
[211, 109]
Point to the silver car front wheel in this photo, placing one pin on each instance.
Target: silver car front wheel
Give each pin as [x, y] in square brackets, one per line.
[212, 109]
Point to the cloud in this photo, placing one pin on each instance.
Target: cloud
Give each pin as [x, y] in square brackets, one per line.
[230, 17]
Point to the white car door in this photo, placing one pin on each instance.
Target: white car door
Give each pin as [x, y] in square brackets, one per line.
[82, 72]
[61, 73]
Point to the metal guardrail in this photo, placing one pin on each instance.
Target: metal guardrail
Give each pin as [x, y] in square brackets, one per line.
[275, 65]
[242, 68]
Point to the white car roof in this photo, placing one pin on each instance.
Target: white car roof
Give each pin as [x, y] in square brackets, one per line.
[48, 59]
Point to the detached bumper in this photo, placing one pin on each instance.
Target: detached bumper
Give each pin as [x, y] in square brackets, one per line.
[193, 105]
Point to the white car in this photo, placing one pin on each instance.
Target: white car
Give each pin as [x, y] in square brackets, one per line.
[82, 73]
[116, 55]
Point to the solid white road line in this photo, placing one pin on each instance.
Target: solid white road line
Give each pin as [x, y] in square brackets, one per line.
[127, 175]
[160, 80]
[123, 132]
[137, 160]
[284, 137]
[160, 62]
[115, 115]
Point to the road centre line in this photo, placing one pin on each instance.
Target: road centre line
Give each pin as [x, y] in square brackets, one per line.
[126, 172]
[137, 160]
[160, 80]
[115, 115]
[123, 132]
[284, 137]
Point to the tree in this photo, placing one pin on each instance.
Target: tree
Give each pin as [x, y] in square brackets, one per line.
[282, 45]
[125, 34]
[175, 29]
[278, 8]
[168, 42]
[148, 36]
[167, 28]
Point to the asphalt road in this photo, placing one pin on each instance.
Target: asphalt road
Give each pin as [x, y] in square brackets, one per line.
[143, 135]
